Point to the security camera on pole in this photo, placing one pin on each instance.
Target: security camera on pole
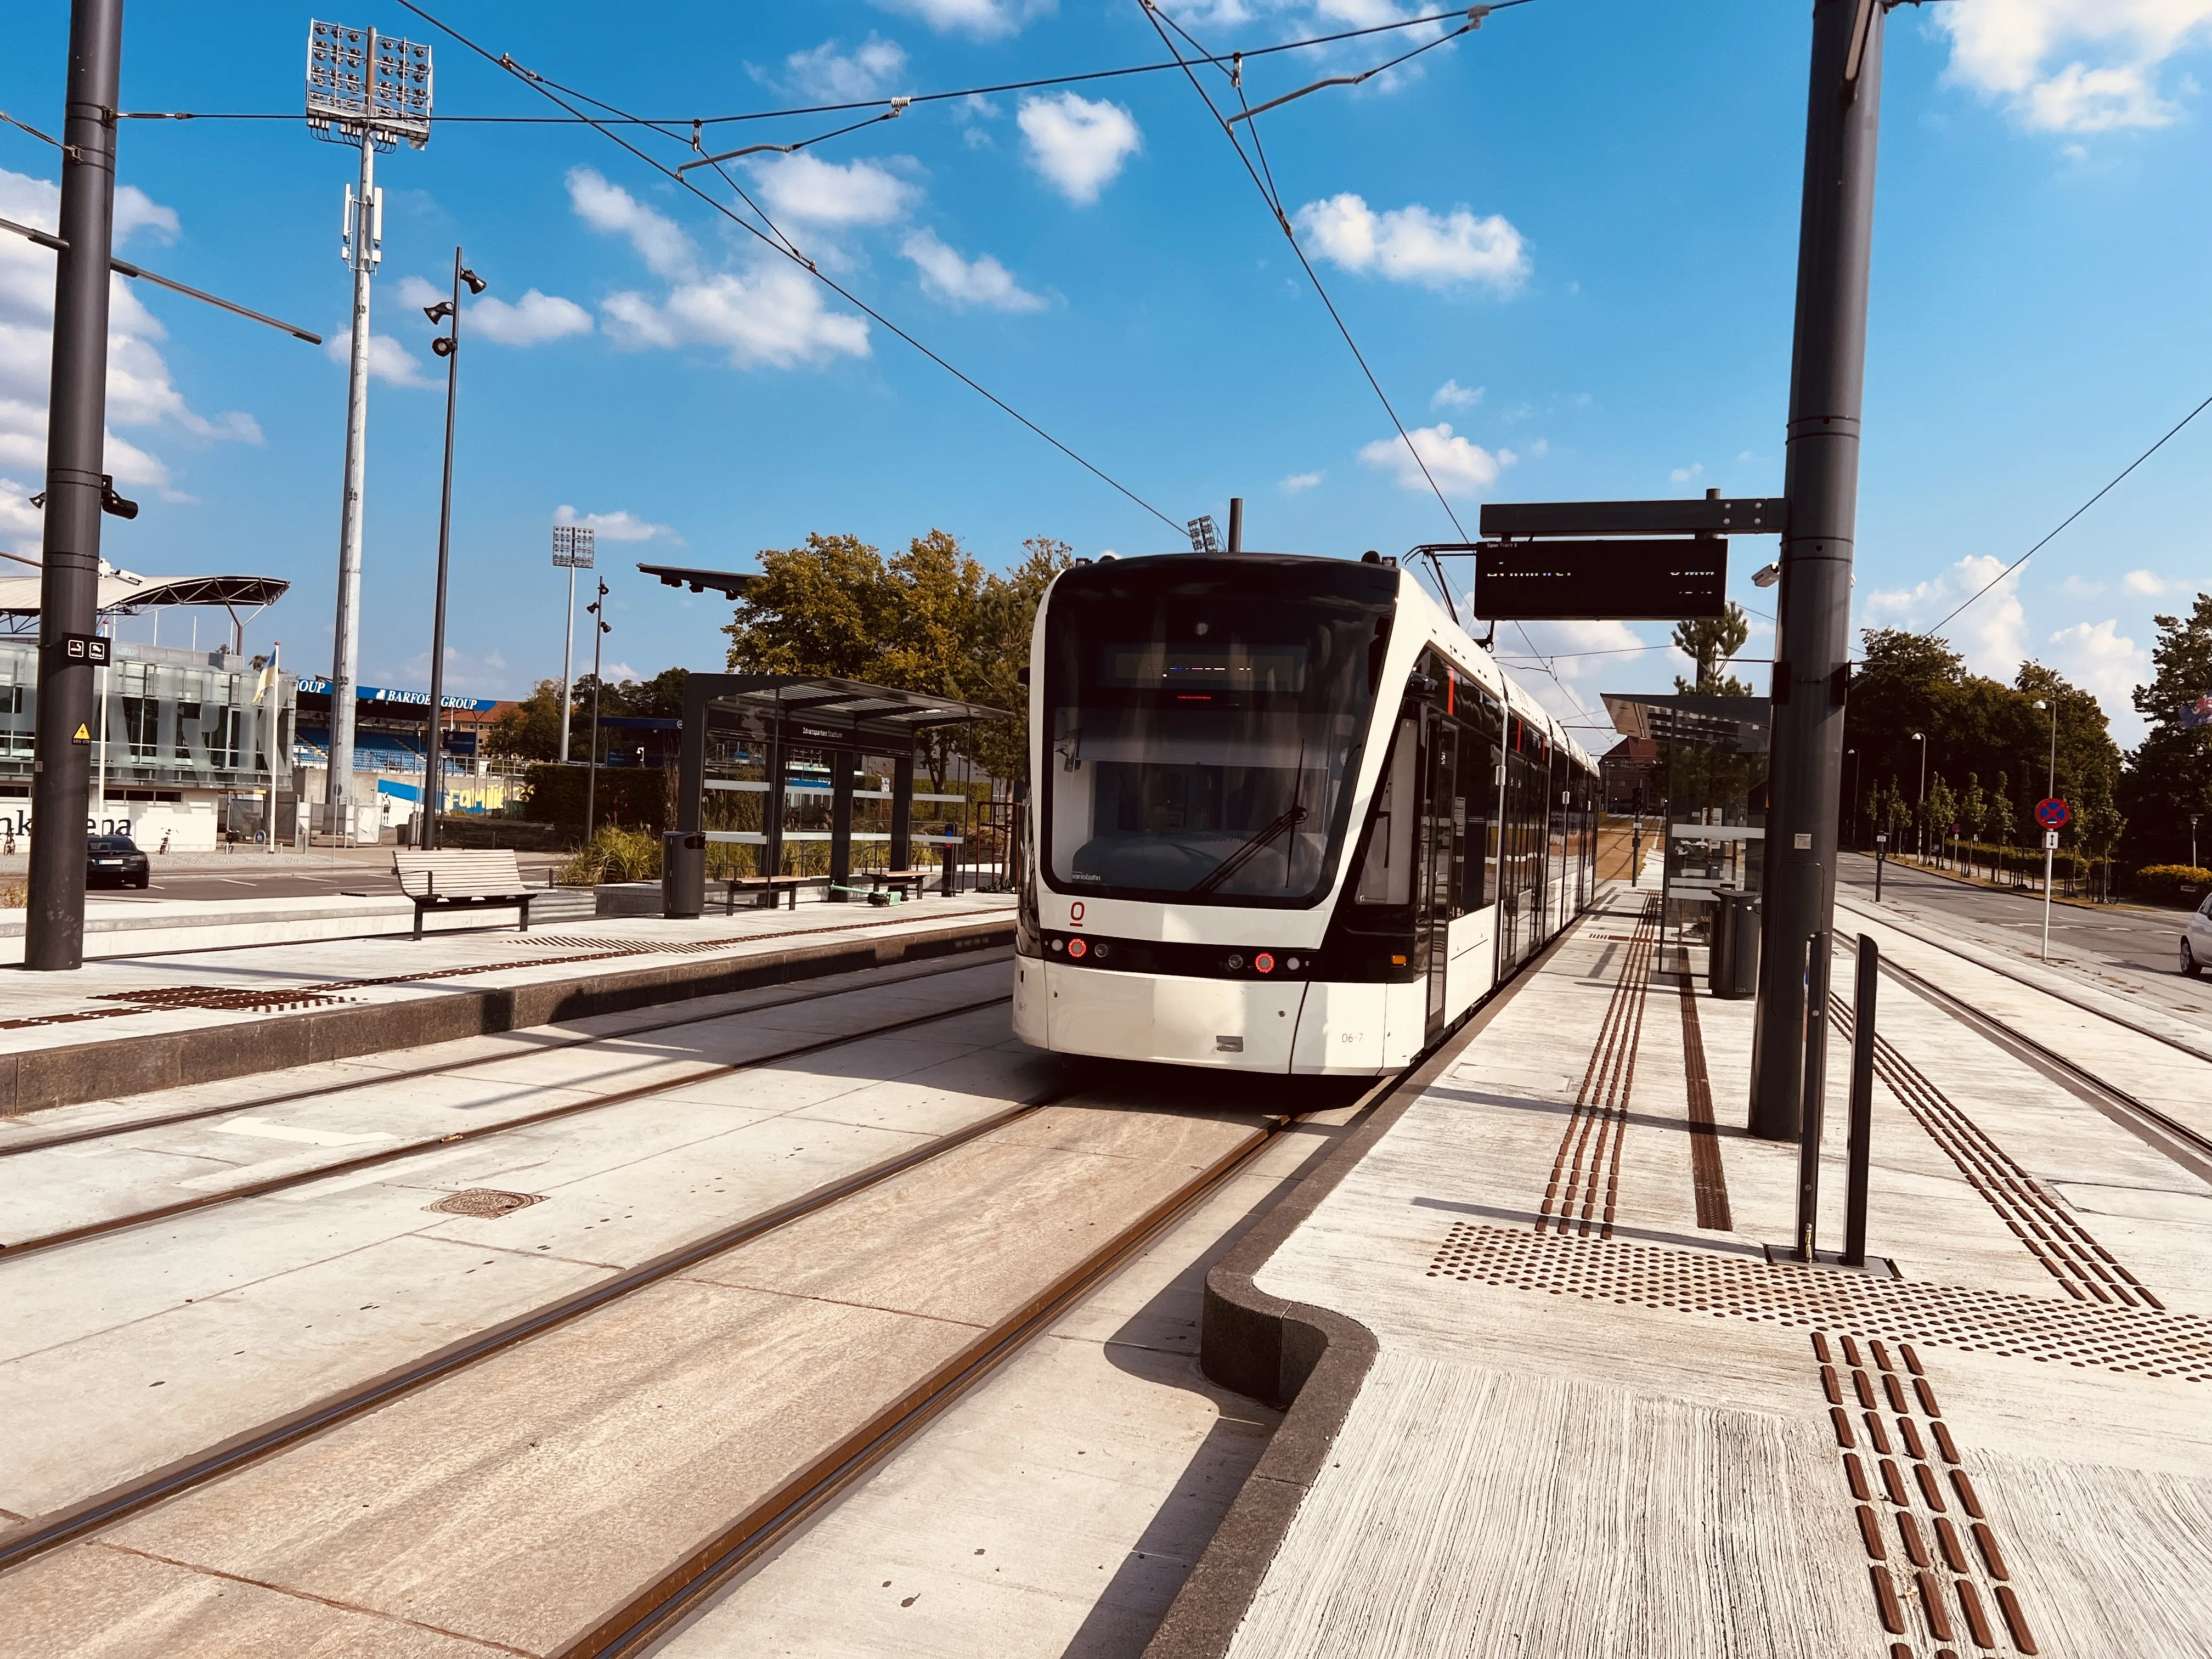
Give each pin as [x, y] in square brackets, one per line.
[370, 90]
[449, 346]
[574, 548]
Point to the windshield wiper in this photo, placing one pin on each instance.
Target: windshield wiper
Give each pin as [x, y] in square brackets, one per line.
[1250, 849]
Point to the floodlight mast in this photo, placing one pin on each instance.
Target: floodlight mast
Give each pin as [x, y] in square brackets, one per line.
[573, 547]
[369, 90]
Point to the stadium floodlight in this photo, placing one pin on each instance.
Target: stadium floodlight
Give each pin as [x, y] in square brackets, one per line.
[1203, 536]
[369, 91]
[574, 547]
[363, 85]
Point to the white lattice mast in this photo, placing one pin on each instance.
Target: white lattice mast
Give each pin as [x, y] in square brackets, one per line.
[371, 91]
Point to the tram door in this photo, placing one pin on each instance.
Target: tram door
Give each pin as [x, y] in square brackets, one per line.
[1440, 827]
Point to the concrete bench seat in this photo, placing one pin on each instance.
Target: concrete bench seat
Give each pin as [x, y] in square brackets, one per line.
[462, 880]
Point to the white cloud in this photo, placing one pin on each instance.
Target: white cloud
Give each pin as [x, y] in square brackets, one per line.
[2101, 660]
[531, 320]
[418, 292]
[1078, 144]
[1585, 673]
[1412, 245]
[23, 524]
[388, 361]
[659, 240]
[1459, 467]
[140, 391]
[829, 193]
[984, 19]
[1539, 448]
[1301, 481]
[1684, 474]
[1452, 395]
[2078, 587]
[624, 526]
[980, 282]
[833, 76]
[1992, 634]
[771, 314]
[2149, 583]
[2074, 65]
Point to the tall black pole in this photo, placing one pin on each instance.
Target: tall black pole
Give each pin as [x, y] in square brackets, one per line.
[69, 585]
[1827, 372]
[434, 761]
[1862, 1142]
[596, 611]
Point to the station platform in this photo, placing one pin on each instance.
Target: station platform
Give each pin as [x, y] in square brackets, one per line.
[1554, 1394]
[124, 1025]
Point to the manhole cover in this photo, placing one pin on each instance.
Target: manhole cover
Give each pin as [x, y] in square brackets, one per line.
[486, 1202]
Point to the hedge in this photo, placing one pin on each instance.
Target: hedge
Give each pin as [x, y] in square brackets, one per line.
[2173, 883]
[636, 796]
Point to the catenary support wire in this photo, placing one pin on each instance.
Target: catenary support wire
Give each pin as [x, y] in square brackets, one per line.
[792, 254]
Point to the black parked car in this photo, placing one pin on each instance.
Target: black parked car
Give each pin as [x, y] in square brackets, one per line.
[115, 860]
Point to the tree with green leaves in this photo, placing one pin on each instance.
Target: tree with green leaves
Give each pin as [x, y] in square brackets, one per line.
[1711, 643]
[1973, 813]
[2002, 820]
[530, 729]
[2170, 774]
[2102, 826]
[1941, 812]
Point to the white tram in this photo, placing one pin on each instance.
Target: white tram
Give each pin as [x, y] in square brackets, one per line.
[1286, 815]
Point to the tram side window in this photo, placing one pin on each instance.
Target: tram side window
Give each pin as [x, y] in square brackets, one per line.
[1386, 875]
[1479, 758]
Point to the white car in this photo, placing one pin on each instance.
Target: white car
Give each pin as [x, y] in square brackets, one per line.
[2197, 939]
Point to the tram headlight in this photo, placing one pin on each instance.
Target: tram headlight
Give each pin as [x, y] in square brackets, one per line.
[1235, 964]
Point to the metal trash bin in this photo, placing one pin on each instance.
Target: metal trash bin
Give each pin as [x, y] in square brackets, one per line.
[682, 873]
[1734, 972]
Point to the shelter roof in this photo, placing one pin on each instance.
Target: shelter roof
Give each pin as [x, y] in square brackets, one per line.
[126, 592]
[819, 705]
[1738, 724]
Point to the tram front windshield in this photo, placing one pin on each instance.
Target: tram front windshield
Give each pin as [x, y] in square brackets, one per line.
[1206, 720]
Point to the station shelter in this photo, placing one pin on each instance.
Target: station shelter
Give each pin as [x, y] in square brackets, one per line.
[1710, 776]
[792, 775]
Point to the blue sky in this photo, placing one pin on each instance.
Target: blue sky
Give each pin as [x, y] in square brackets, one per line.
[1566, 244]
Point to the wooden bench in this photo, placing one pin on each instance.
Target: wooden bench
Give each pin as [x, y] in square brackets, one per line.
[769, 887]
[488, 880]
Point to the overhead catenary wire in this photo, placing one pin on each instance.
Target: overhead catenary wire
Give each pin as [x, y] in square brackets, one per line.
[670, 123]
[1262, 178]
[2075, 513]
[787, 251]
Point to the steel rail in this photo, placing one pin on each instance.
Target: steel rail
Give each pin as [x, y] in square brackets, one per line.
[138, 1125]
[653, 1611]
[2189, 1147]
[1868, 911]
[47, 1532]
[415, 1148]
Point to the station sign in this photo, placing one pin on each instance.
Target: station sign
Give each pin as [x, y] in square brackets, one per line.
[316, 685]
[1635, 581]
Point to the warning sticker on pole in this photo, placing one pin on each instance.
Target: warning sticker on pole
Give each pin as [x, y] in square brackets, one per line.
[82, 734]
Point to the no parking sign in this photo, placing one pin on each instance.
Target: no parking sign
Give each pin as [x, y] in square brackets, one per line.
[2052, 814]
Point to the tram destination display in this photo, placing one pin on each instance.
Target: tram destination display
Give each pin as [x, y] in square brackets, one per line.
[1635, 581]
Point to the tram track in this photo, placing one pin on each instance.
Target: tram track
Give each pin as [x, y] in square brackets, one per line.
[276, 1184]
[252, 1445]
[814, 1482]
[261, 1102]
[2189, 1147]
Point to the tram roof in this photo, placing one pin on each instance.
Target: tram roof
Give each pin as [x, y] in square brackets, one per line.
[1736, 724]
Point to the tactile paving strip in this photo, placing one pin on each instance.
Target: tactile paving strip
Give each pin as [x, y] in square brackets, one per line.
[1582, 1167]
[2132, 1342]
[2045, 1227]
[1931, 1514]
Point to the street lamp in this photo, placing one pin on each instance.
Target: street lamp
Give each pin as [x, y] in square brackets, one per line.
[1920, 811]
[592, 778]
[446, 345]
[2050, 836]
